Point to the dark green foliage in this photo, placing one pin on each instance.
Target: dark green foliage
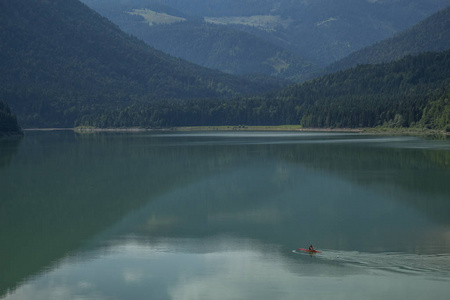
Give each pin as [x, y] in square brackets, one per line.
[400, 94]
[8, 121]
[393, 94]
[257, 111]
[60, 60]
[411, 75]
[437, 113]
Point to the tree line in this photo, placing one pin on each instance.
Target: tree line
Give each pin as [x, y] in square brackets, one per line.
[411, 92]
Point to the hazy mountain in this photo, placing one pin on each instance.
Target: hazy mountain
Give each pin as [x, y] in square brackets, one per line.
[206, 43]
[432, 34]
[59, 60]
[229, 50]
[319, 31]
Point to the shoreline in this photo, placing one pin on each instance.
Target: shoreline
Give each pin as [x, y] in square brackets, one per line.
[293, 128]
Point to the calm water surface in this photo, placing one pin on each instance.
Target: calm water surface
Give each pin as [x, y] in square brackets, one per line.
[220, 216]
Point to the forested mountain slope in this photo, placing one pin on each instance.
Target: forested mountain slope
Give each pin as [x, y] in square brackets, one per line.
[319, 31]
[208, 44]
[414, 91]
[394, 94]
[59, 60]
[228, 50]
[432, 34]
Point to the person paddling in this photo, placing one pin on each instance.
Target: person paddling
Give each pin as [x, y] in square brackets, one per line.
[311, 250]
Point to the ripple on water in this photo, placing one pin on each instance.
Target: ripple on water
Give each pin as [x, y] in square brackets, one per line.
[412, 264]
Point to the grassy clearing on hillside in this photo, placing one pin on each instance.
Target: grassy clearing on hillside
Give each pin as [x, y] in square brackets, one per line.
[264, 22]
[155, 18]
[278, 64]
[326, 21]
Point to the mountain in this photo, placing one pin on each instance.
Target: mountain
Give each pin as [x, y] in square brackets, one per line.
[59, 60]
[227, 49]
[318, 32]
[396, 94]
[205, 43]
[432, 34]
[411, 92]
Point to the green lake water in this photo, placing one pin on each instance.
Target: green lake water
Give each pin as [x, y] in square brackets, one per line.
[219, 215]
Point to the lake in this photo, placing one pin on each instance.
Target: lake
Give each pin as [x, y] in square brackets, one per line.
[221, 215]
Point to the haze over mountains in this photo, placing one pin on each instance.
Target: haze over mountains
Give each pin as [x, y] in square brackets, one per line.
[288, 39]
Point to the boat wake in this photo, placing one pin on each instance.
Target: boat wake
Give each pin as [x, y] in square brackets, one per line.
[412, 264]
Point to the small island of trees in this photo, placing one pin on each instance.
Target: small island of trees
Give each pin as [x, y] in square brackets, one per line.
[8, 121]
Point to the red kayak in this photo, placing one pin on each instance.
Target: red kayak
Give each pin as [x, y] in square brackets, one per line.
[310, 251]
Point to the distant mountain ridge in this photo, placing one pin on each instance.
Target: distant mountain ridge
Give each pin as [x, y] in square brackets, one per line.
[226, 49]
[312, 33]
[204, 42]
[59, 59]
[430, 35]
